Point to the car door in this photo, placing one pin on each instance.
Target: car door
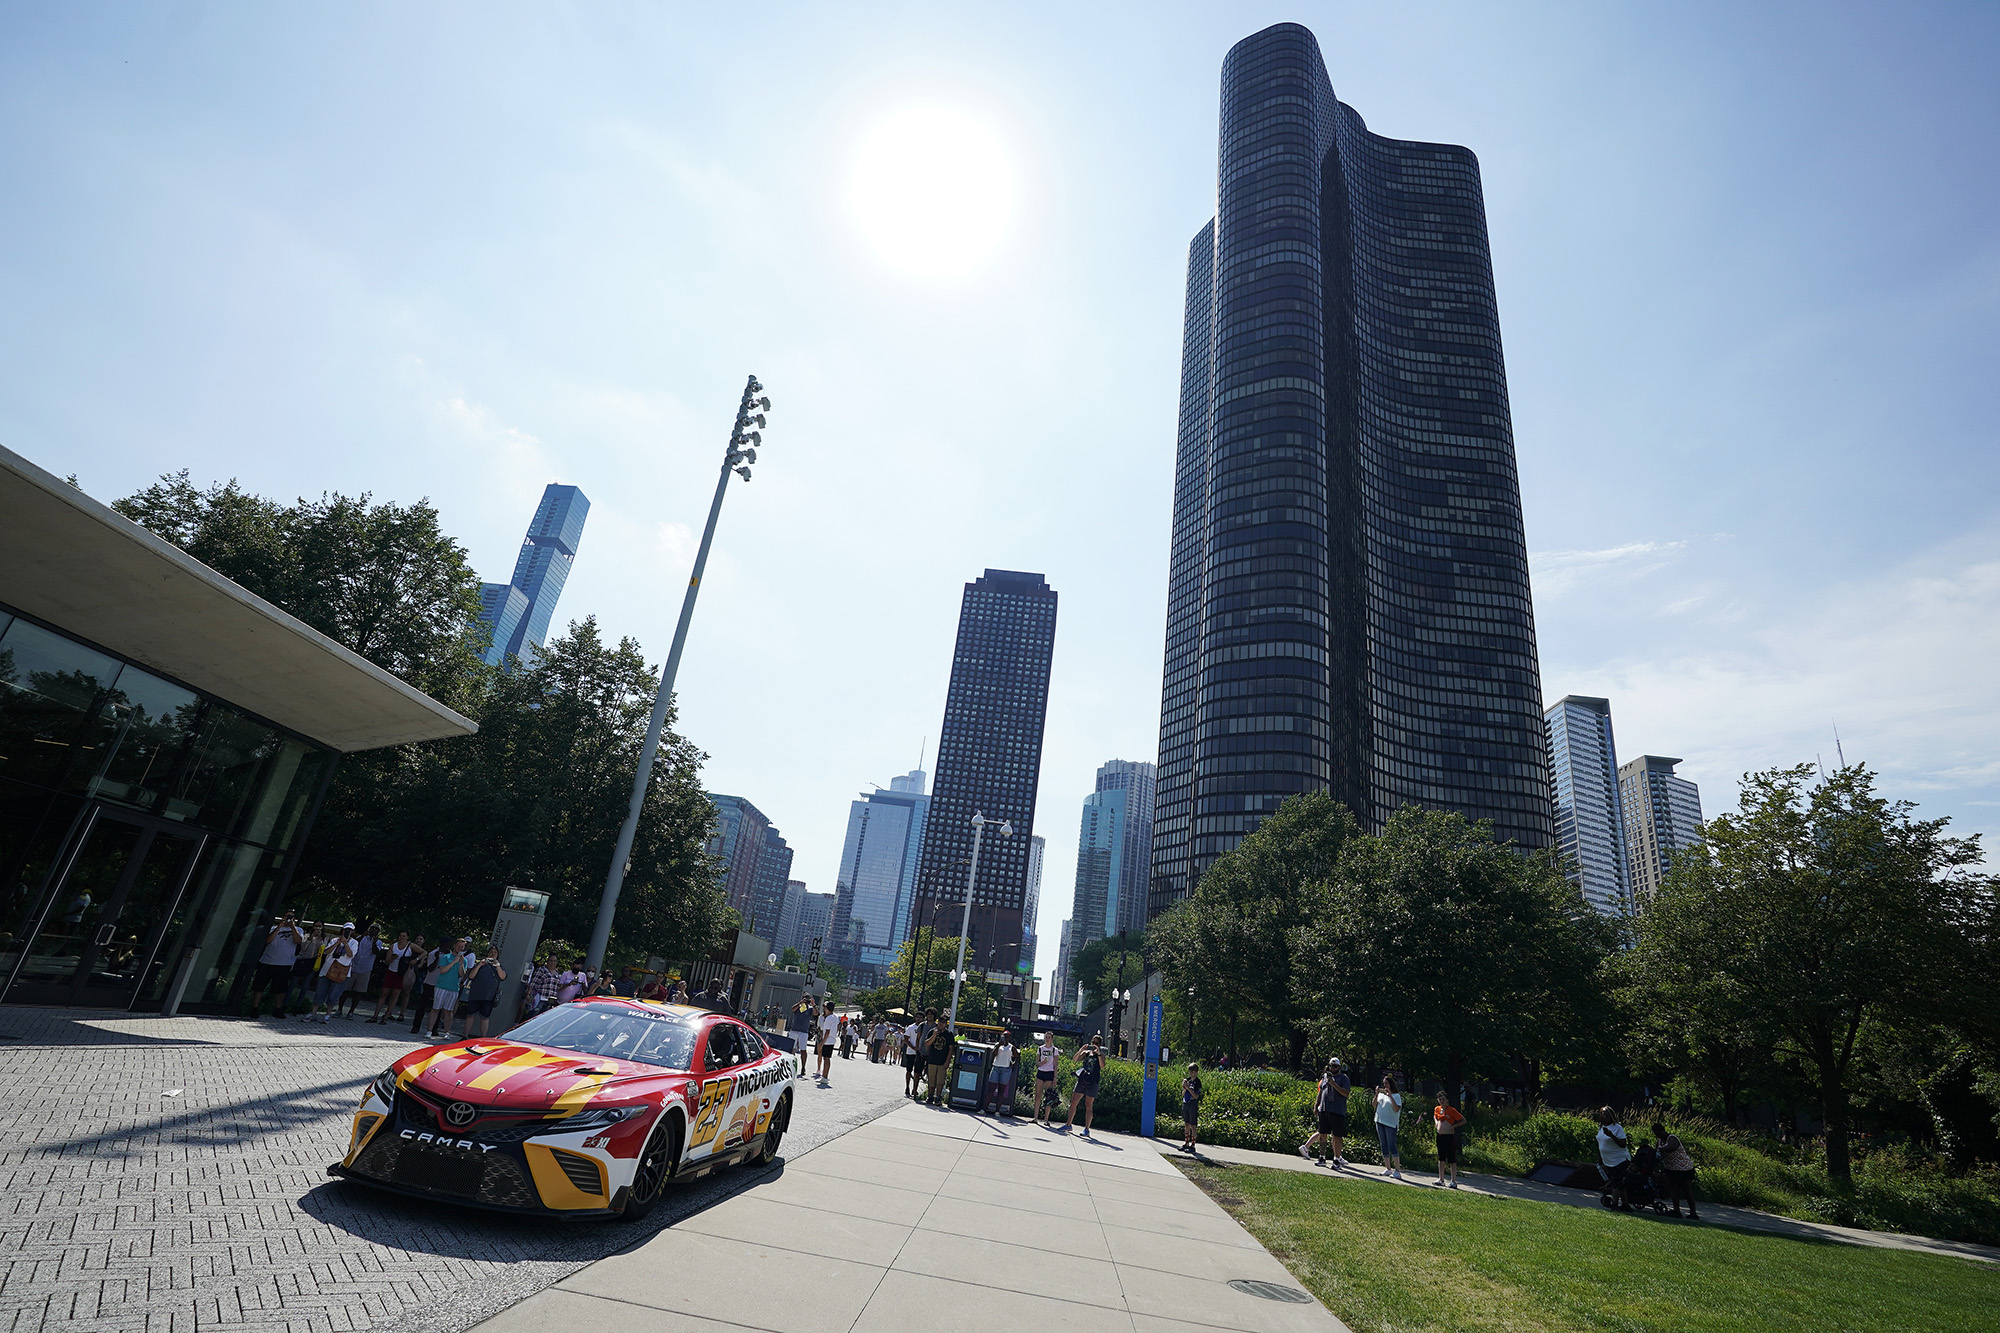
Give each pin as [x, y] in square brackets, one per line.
[721, 1055]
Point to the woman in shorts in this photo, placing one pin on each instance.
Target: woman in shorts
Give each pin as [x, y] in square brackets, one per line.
[1089, 1069]
[1190, 1107]
[1448, 1120]
[1046, 1098]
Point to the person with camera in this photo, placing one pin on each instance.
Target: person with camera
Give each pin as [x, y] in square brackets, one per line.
[274, 965]
[1615, 1151]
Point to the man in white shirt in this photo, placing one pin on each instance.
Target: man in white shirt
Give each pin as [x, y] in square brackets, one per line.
[829, 1032]
[274, 965]
[362, 979]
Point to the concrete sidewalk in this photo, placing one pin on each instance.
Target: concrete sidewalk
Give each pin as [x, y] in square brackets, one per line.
[1508, 1187]
[936, 1220]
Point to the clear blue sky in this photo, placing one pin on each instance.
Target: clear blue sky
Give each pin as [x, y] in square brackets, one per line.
[1749, 274]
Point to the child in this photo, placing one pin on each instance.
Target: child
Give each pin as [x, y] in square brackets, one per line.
[1447, 1121]
[1190, 1106]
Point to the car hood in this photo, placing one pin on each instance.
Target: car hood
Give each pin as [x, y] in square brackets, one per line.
[538, 1078]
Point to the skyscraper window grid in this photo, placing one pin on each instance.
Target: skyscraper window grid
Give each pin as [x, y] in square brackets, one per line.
[1662, 815]
[1348, 557]
[1589, 818]
[989, 761]
[517, 614]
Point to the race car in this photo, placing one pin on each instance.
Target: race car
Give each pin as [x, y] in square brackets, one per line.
[585, 1110]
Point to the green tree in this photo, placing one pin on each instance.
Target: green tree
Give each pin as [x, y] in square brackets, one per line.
[1234, 937]
[1108, 963]
[922, 971]
[1438, 946]
[1827, 907]
[536, 798]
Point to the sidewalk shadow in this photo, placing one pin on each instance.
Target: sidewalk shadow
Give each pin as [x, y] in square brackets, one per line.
[26, 1028]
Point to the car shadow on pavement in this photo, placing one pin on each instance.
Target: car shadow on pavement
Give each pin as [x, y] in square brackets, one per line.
[227, 1125]
[437, 1227]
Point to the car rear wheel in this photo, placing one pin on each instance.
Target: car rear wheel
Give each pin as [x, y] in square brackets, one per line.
[774, 1133]
[656, 1164]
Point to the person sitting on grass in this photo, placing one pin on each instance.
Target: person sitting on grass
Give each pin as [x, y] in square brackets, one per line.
[1330, 1114]
[1190, 1106]
[1447, 1120]
[1615, 1152]
[1676, 1168]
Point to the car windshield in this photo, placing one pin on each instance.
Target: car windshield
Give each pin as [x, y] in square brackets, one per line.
[613, 1030]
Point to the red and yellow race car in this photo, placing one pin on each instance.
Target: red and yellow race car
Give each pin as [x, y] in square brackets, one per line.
[587, 1110]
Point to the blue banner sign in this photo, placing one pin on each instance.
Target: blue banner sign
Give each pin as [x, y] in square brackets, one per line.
[1150, 1096]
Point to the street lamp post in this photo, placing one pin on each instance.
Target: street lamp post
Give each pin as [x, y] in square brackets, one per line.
[979, 823]
[1191, 1045]
[1119, 999]
[742, 450]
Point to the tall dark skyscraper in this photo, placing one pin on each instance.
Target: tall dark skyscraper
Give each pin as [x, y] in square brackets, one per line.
[1347, 604]
[989, 760]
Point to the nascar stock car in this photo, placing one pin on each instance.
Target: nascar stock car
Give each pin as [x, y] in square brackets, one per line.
[585, 1110]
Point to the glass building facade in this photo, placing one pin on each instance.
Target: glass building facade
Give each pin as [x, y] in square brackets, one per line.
[146, 829]
[1590, 820]
[878, 873]
[517, 613]
[1348, 602]
[756, 863]
[989, 761]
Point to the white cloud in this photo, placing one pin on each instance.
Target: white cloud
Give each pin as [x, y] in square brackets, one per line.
[1556, 573]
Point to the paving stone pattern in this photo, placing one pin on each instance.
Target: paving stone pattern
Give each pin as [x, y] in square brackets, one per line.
[169, 1176]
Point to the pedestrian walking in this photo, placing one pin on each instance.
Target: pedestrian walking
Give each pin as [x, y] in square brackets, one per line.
[1388, 1118]
[1000, 1086]
[939, 1048]
[1676, 1168]
[877, 1049]
[1449, 1123]
[829, 1032]
[482, 992]
[1191, 1094]
[847, 1038]
[1047, 1097]
[1330, 1114]
[1615, 1151]
[1089, 1068]
[274, 964]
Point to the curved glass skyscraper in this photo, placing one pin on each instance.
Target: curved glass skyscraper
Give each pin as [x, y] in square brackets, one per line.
[1348, 604]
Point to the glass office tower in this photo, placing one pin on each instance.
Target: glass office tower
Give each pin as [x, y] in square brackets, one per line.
[517, 613]
[1590, 822]
[1348, 605]
[989, 761]
[878, 873]
[756, 863]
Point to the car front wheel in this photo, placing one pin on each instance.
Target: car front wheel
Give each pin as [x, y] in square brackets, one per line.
[656, 1164]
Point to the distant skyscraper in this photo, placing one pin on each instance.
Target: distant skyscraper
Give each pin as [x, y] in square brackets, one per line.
[1100, 867]
[1662, 815]
[1060, 981]
[518, 612]
[1590, 827]
[1136, 861]
[1031, 904]
[787, 936]
[815, 923]
[878, 872]
[1347, 594]
[757, 863]
[989, 761]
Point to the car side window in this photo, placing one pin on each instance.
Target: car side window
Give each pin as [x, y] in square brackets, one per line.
[724, 1050]
[753, 1045]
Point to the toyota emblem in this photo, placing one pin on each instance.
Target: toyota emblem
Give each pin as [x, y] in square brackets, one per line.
[460, 1113]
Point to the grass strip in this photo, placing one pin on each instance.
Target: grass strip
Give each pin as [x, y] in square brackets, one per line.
[1397, 1260]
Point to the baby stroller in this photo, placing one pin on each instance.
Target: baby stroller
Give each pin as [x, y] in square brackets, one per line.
[1642, 1187]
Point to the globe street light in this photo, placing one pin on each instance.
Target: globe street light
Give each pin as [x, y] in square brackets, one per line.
[741, 450]
[979, 823]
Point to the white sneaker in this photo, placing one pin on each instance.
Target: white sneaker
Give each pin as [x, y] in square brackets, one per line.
[1454, 1184]
[1303, 1153]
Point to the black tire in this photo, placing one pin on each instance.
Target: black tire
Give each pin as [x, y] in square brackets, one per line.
[658, 1161]
[774, 1133]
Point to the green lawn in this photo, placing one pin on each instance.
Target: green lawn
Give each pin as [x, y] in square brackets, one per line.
[1389, 1260]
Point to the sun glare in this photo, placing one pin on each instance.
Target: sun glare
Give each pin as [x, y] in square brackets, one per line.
[933, 189]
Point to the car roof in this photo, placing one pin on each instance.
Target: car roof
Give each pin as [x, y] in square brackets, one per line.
[686, 1013]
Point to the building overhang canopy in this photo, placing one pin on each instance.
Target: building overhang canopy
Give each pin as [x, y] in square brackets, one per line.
[90, 571]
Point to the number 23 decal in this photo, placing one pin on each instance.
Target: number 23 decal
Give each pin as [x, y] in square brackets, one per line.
[708, 1111]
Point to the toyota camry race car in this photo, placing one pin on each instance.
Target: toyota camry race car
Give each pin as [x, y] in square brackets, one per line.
[586, 1110]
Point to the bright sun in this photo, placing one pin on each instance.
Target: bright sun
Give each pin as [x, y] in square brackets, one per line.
[933, 189]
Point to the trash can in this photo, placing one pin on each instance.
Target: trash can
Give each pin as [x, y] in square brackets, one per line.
[968, 1084]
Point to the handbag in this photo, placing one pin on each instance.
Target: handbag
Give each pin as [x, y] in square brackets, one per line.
[337, 972]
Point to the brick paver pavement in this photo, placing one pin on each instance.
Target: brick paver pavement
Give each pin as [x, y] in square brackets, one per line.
[169, 1176]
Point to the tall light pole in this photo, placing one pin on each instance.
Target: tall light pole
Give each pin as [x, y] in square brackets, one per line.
[744, 438]
[979, 823]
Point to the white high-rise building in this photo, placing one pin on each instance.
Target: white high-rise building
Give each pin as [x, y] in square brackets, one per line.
[1060, 981]
[1590, 826]
[1031, 903]
[1662, 815]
